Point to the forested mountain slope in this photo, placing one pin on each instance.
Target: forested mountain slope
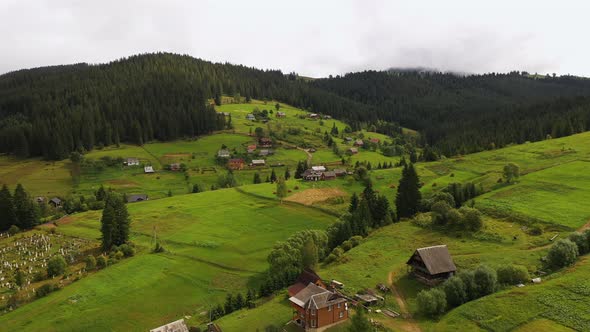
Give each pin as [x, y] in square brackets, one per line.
[54, 110]
[462, 114]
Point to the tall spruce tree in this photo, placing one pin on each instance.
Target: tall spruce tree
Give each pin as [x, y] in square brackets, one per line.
[108, 226]
[408, 195]
[7, 212]
[26, 213]
[114, 222]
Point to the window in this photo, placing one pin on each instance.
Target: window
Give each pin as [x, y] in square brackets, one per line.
[339, 305]
[313, 312]
[313, 323]
[341, 314]
[330, 307]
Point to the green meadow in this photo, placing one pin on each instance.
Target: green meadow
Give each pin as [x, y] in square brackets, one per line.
[216, 242]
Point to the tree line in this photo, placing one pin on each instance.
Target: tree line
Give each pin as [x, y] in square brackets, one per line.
[17, 210]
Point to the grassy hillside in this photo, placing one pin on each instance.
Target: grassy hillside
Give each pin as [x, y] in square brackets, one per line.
[217, 242]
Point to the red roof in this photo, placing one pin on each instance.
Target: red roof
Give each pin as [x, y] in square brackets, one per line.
[375, 140]
[306, 277]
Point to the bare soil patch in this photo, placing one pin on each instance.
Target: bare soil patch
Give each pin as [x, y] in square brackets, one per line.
[311, 196]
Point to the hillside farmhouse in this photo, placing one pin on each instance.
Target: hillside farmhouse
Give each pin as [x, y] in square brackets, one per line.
[305, 278]
[223, 153]
[148, 169]
[175, 167]
[352, 151]
[265, 142]
[432, 265]
[250, 117]
[56, 202]
[359, 142]
[315, 307]
[235, 164]
[132, 162]
[258, 162]
[281, 115]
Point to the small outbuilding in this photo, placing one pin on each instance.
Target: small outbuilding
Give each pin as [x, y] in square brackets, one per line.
[432, 265]
[235, 164]
[258, 162]
[148, 169]
[352, 151]
[175, 167]
[329, 175]
[56, 202]
[223, 153]
[250, 117]
[132, 162]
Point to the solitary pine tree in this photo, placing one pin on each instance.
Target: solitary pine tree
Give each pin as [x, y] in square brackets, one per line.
[107, 226]
[273, 176]
[123, 222]
[354, 203]
[114, 222]
[408, 193]
[334, 130]
[7, 212]
[287, 174]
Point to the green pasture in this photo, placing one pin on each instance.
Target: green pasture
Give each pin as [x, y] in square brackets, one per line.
[39, 177]
[216, 243]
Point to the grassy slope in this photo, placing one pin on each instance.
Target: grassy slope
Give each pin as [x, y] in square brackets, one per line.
[217, 242]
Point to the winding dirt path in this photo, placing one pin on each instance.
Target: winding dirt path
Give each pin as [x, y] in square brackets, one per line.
[410, 324]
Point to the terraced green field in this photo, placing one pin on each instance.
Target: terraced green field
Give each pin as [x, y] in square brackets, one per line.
[217, 242]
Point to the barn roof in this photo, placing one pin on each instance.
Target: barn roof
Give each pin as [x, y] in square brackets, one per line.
[136, 198]
[437, 259]
[316, 297]
[177, 326]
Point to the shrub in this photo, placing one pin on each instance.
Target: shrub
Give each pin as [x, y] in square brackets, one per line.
[512, 274]
[90, 263]
[356, 240]
[471, 219]
[486, 280]
[455, 291]
[535, 230]
[346, 245]
[101, 262]
[56, 266]
[44, 290]
[13, 230]
[581, 241]
[40, 276]
[563, 253]
[432, 302]
[127, 250]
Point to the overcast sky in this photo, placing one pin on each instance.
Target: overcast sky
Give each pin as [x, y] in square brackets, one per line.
[312, 37]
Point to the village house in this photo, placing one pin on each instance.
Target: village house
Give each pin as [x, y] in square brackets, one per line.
[56, 202]
[327, 117]
[265, 142]
[313, 116]
[318, 168]
[352, 151]
[330, 175]
[432, 265]
[176, 326]
[251, 148]
[348, 139]
[359, 142]
[148, 169]
[311, 175]
[258, 162]
[175, 167]
[305, 278]
[137, 198]
[281, 115]
[374, 140]
[212, 327]
[340, 172]
[316, 308]
[223, 153]
[132, 162]
[250, 117]
[40, 200]
[235, 164]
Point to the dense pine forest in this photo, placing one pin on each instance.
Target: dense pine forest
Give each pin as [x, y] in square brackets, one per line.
[52, 111]
[462, 114]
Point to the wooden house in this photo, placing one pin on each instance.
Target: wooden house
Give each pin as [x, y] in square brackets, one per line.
[251, 148]
[175, 167]
[432, 265]
[311, 175]
[132, 162]
[374, 140]
[250, 117]
[55, 202]
[223, 153]
[329, 175]
[235, 164]
[281, 114]
[352, 151]
[313, 116]
[340, 172]
[316, 308]
[265, 142]
[359, 142]
[148, 169]
[258, 162]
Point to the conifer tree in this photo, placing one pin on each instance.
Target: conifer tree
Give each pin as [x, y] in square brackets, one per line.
[7, 211]
[354, 203]
[408, 195]
[26, 213]
[273, 176]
